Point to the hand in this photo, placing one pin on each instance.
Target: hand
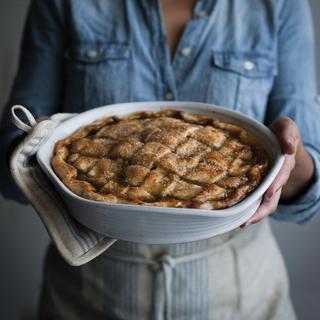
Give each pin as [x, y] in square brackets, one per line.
[295, 174]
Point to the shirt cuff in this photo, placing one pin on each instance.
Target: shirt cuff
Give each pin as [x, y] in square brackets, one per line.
[9, 139]
[305, 206]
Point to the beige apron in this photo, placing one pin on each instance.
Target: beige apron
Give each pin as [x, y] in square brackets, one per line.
[238, 275]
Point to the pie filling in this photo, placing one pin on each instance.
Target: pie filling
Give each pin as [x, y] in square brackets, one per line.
[168, 158]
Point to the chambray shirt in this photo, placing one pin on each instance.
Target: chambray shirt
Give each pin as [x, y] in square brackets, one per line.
[253, 56]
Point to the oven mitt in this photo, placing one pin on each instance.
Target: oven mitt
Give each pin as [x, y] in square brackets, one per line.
[76, 243]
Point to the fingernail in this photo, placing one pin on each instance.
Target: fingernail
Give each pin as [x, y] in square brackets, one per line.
[244, 225]
[269, 195]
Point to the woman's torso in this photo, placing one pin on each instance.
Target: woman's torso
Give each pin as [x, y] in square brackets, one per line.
[118, 52]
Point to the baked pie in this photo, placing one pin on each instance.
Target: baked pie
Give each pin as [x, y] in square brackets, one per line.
[168, 158]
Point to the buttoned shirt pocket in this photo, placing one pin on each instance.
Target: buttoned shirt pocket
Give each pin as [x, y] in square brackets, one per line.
[96, 74]
[242, 81]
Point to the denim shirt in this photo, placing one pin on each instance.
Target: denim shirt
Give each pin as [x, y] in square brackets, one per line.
[253, 56]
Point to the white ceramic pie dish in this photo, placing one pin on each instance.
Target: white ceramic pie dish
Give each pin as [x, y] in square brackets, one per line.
[160, 225]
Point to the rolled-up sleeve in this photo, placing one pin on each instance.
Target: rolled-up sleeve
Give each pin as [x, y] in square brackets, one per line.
[39, 80]
[294, 95]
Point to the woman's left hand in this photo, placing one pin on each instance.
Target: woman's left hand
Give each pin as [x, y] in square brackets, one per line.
[295, 174]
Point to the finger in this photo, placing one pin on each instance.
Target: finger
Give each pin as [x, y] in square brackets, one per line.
[267, 207]
[288, 134]
[282, 177]
[42, 118]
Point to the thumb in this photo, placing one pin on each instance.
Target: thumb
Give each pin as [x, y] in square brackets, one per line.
[287, 133]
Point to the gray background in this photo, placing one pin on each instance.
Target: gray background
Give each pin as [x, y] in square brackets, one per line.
[23, 238]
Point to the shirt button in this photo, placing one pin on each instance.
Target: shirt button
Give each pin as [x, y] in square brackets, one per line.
[249, 65]
[186, 51]
[92, 54]
[169, 96]
[202, 13]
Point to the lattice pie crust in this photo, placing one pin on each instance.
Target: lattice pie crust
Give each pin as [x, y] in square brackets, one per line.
[168, 158]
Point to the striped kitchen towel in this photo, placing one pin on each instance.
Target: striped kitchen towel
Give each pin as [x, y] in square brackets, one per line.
[76, 243]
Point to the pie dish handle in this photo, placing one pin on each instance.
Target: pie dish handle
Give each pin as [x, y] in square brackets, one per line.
[18, 122]
[76, 243]
[56, 118]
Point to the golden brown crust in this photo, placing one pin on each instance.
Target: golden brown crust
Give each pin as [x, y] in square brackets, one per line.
[168, 158]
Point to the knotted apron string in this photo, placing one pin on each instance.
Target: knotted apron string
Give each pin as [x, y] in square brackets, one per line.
[162, 296]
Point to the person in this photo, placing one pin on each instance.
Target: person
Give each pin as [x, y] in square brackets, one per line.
[254, 56]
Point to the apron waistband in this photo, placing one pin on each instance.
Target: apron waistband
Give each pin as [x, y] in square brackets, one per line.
[164, 265]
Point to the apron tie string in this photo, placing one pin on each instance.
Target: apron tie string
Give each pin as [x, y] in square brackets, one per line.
[162, 288]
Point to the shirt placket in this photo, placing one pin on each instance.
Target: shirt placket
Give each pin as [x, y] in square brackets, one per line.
[168, 72]
[166, 86]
